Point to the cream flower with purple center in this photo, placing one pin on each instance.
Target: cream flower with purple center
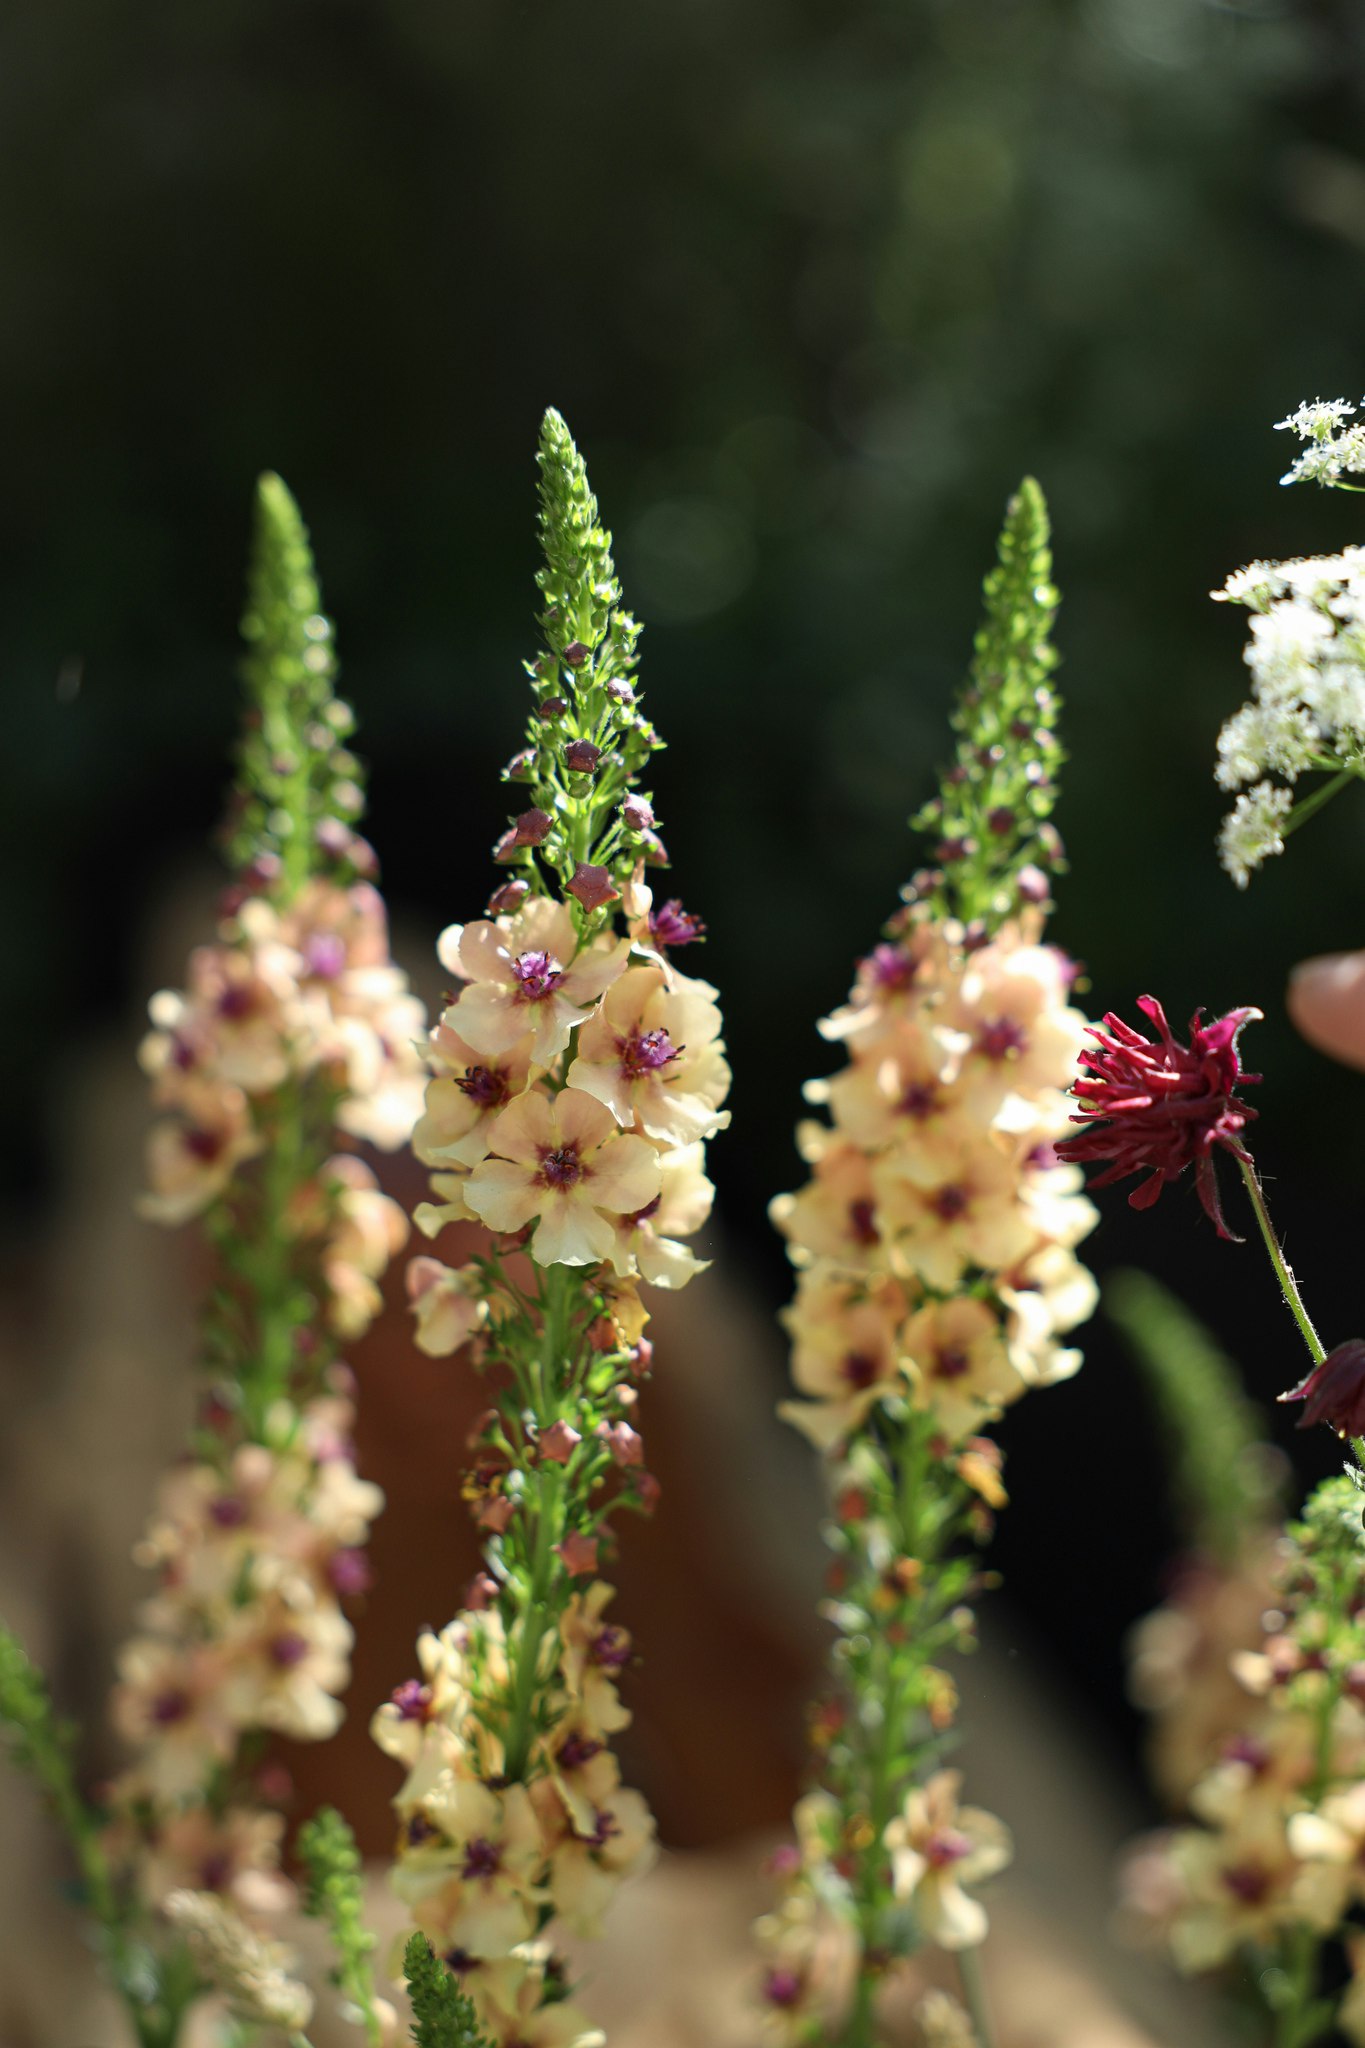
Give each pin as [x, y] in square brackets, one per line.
[652, 1054]
[447, 1303]
[192, 1157]
[464, 1097]
[169, 1704]
[285, 1665]
[649, 1242]
[905, 1097]
[953, 1209]
[937, 1847]
[527, 983]
[1023, 1037]
[560, 1163]
[893, 982]
[595, 1653]
[473, 1877]
[589, 1855]
[834, 1216]
[521, 2020]
[1238, 1887]
[846, 1365]
[960, 1364]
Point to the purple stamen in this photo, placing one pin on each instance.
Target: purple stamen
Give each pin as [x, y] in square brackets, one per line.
[645, 1052]
[413, 1700]
[561, 1169]
[537, 976]
[1001, 1040]
[671, 925]
[288, 1649]
[485, 1086]
[482, 1858]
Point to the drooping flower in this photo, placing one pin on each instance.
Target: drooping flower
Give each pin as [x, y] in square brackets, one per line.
[1334, 1392]
[1160, 1107]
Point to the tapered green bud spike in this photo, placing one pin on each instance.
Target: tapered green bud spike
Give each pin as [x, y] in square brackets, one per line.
[993, 848]
[42, 1745]
[298, 786]
[586, 825]
[1226, 1477]
[442, 2016]
[334, 1896]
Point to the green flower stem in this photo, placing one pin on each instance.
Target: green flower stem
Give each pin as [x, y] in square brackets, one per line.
[1310, 805]
[895, 1679]
[546, 1387]
[972, 1979]
[1288, 1284]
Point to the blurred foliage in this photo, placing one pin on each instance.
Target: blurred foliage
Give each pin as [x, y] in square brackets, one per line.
[814, 281]
[1228, 1481]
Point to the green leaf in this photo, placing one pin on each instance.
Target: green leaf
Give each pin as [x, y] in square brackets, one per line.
[442, 2016]
[1226, 1476]
[989, 820]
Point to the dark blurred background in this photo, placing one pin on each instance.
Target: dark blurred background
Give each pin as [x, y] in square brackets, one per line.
[813, 281]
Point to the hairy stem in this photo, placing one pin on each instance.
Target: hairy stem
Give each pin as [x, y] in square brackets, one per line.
[1288, 1285]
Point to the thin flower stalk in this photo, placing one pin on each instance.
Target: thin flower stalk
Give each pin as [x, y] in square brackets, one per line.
[936, 1280]
[575, 1076]
[294, 1038]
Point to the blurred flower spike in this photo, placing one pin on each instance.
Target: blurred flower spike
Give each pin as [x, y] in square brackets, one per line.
[1157, 1106]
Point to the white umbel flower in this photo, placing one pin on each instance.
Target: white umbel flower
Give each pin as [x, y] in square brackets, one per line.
[1332, 451]
[1253, 830]
[249, 1971]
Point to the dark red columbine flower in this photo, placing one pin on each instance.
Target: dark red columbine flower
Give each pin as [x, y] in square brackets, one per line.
[1334, 1392]
[1157, 1108]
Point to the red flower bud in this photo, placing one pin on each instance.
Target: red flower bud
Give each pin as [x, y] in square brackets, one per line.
[1334, 1392]
[532, 828]
[593, 886]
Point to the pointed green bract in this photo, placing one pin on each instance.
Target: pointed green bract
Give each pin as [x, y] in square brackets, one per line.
[1223, 1470]
[993, 846]
[442, 2017]
[334, 1896]
[295, 776]
[587, 740]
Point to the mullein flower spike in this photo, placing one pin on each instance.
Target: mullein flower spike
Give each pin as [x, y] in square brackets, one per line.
[292, 1039]
[936, 1281]
[576, 1074]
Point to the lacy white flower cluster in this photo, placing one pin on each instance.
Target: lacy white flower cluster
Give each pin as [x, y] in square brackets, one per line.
[1306, 655]
[487, 1863]
[245, 1633]
[935, 1234]
[283, 995]
[1279, 1853]
[1334, 450]
[573, 1089]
